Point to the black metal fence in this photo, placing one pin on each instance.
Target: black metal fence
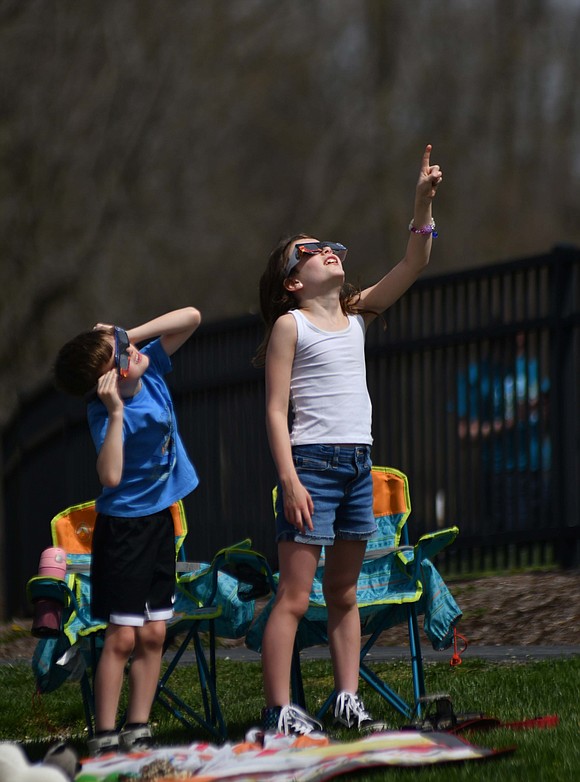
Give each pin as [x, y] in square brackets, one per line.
[475, 397]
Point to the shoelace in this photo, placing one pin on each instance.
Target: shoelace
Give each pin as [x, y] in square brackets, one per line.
[350, 706]
[293, 720]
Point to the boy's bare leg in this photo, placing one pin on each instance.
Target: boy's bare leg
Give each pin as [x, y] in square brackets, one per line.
[119, 643]
[145, 669]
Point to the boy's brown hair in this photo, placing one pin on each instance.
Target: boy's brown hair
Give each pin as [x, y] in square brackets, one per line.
[81, 361]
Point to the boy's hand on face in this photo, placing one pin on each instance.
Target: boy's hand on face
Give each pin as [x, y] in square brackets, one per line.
[108, 391]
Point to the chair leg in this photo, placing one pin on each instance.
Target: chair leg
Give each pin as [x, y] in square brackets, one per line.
[379, 686]
[212, 719]
[326, 705]
[87, 683]
[88, 703]
[296, 683]
[416, 657]
[207, 683]
[386, 692]
[215, 708]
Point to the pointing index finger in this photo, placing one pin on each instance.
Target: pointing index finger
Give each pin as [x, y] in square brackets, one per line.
[426, 154]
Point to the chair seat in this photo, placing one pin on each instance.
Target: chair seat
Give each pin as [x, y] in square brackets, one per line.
[208, 586]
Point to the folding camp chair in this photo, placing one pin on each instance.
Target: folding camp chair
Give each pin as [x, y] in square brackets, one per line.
[397, 582]
[231, 583]
[75, 651]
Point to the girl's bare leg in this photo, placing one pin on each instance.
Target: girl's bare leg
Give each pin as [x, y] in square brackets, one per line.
[298, 563]
[343, 563]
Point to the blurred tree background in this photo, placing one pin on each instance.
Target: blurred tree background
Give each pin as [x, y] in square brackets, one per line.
[152, 152]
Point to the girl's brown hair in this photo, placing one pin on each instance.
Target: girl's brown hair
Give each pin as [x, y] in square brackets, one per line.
[275, 300]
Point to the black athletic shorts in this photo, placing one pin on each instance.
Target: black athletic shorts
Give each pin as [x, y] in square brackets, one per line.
[133, 569]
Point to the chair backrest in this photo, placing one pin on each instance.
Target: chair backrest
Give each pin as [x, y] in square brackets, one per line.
[72, 529]
[391, 509]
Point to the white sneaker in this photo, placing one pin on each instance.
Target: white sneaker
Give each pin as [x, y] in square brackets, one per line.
[349, 711]
[289, 720]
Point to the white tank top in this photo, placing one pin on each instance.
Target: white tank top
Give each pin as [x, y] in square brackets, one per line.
[328, 388]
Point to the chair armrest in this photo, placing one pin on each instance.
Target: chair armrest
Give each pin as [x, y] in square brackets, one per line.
[386, 552]
[48, 588]
[249, 568]
[429, 545]
[182, 566]
[73, 568]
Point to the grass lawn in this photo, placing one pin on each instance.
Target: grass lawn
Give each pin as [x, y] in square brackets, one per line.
[509, 691]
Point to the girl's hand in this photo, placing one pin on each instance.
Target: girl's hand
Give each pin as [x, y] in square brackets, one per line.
[429, 177]
[108, 391]
[298, 507]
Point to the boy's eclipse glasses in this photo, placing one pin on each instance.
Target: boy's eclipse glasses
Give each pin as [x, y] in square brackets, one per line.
[312, 248]
[121, 351]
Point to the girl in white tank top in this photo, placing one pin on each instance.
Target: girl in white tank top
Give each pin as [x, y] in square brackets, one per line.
[313, 352]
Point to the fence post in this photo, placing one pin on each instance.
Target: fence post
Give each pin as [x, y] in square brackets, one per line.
[563, 408]
[3, 585]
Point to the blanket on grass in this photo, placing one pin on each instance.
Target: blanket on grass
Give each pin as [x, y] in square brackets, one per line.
[282, 758]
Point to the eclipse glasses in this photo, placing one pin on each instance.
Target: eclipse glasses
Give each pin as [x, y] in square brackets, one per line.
[313, 248]
[121, 351]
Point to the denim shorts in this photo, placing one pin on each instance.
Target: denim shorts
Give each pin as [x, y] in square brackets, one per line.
[339, 480]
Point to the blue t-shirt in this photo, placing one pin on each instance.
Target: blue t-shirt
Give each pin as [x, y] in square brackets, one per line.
[156, 468]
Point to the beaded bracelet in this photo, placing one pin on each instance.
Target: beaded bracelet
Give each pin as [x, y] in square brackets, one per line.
[424, 230]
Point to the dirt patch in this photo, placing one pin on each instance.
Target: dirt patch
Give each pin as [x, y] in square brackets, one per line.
[513, 610]
[16, 642]
[516, 610]
[532, 608]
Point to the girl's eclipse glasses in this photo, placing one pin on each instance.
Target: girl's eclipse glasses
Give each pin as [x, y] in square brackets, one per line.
[312, 248]
[121, 351]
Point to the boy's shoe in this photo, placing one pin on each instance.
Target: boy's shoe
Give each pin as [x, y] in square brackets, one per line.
[350, 712]
[101, 743]
[290, 720]
[135, 737]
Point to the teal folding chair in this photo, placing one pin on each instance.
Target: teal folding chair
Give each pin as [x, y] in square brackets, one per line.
[213, 600]
[397, 583]
[72, 652]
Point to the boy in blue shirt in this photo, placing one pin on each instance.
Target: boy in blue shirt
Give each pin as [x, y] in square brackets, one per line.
[143, 468]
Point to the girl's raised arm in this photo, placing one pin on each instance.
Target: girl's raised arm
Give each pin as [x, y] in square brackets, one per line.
[393, 285]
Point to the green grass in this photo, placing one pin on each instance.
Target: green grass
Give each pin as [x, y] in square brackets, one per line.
[509, 691]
